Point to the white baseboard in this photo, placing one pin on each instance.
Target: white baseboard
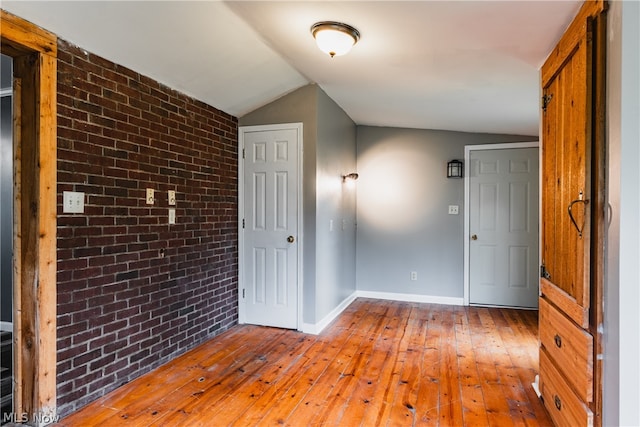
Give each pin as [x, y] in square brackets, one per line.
[431, 299]
[536, 386]
[6, 326]
[316, 328]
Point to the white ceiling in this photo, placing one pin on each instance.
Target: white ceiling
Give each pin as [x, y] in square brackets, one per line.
[454, 65]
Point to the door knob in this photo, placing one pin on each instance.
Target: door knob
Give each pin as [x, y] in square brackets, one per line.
[474, 237]
[291, 239]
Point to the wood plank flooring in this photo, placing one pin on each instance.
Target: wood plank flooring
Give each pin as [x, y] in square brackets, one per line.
[381, 363]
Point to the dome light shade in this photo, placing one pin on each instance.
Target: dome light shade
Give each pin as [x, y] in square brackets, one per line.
[334, 38]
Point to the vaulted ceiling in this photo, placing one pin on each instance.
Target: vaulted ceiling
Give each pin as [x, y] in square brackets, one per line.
[455, 65]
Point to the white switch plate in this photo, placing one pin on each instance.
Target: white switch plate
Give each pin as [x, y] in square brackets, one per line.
[172, 216]
[453, 209]
[172, 197]
[150, 196]
[72, 202]
[414, 275]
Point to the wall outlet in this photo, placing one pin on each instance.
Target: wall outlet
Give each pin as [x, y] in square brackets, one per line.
[172, 197]
[453, 209]
[414, 276]
[150, 196]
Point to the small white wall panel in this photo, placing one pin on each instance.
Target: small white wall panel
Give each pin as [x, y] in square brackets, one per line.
[488, 207]
[487, 265]
[282, 279]
[281, 151]
[519, 166]
[488, 167]
[260, 152]
[259, 275]
[518, 206]
[259, 201]
[518, 266]
[281, 201]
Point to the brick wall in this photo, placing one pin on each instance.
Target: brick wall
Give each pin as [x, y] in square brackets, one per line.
[133, 291]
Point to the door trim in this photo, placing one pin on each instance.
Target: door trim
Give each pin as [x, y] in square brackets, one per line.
[241, 193]
[467, 214]
[34, 51]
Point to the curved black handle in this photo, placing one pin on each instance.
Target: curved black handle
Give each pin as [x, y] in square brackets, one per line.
[558, 340]
[573, 220]
[557, 402]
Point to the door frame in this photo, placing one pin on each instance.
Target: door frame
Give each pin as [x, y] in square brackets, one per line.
[34, 52]
[300, 237]
[467, 213]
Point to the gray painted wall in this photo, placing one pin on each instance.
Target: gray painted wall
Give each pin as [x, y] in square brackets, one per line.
[6, 72]
[622, 295]
[299, 106]
[329, 151]
[6, 191]
[336, 207]
[6, 210]
[402, 204]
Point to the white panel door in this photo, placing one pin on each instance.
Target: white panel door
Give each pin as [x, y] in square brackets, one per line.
[270, 276]
[503, 226]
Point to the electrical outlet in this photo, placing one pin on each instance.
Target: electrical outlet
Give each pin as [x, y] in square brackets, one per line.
[414, 275]
[172, 197]
[150, 196]
[453, 209]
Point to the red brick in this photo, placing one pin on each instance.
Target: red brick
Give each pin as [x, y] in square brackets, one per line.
[119, 133]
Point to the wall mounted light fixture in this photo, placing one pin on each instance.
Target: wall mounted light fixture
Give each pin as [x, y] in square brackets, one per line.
[455, 169]
[334, 38]
[350, 176]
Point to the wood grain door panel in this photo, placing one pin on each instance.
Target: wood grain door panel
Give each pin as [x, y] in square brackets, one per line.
[570, 298]
[570, 347]
[566, 147]
[565, 408]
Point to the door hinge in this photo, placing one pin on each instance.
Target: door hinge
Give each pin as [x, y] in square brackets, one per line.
[546, 99]
[544, 273]
[243, 153]
[243, 293]
[242, 222]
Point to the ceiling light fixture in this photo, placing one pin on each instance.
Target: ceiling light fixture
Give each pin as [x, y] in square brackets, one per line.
[334, 38]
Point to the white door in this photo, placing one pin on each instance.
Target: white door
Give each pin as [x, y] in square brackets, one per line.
[503, 227]
[269, 276]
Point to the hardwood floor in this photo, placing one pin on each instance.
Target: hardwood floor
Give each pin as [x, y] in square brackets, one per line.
[380, 363]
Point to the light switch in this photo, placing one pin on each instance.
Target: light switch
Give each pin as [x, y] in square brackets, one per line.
[172, 216]
[72, 202]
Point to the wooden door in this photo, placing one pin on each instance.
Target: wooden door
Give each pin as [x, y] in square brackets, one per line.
[571, 206]
[503, 223]
[270, 225]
